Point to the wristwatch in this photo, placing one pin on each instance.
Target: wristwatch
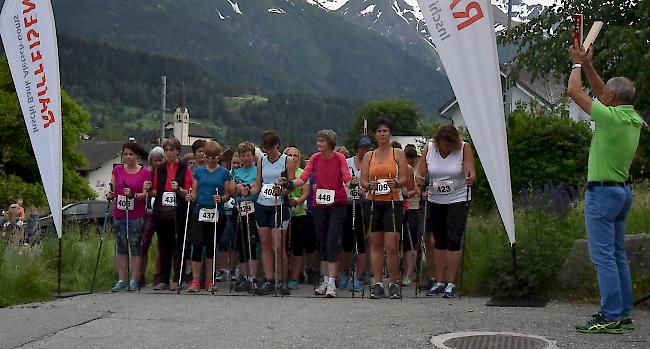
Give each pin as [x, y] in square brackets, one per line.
[576, 65]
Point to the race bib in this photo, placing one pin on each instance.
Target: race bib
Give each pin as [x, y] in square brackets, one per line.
[268, 191]
[169, 199]
[208, 215]
[443, 187]
[125, 204]
[230, 204]
[246, 208]
[382, 187]
[354, 192]
[325, 196]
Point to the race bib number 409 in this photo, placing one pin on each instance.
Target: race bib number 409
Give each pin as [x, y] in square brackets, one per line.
[169, 199]
[443, 187]
[208, 215]
[325, 196]
[125, 204]
[382, 188]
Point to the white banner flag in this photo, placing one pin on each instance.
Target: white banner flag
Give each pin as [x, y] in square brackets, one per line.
[29, 39]
[464, 37]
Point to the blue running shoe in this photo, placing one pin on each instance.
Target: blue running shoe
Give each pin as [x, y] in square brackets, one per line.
[344, 280]
[133, 286]
[119, 286]
[358, 285]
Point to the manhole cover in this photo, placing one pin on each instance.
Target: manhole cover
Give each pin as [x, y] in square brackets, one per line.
[490, 340]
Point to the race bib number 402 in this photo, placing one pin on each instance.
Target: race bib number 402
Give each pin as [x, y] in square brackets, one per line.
[268, 191]
[325, 196]
[169, 199]
[125, 204]
[208, 215]
[382, 187]
[443, 187]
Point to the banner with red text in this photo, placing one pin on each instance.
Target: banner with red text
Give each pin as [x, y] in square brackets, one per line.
[29, 39]
[463, 34]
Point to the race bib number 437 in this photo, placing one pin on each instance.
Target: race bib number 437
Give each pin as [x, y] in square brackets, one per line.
[208, 215]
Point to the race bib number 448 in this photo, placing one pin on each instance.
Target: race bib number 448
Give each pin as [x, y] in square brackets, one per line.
[325, 196]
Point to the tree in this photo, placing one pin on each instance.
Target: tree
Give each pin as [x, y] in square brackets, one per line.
[619, 50]
[19, 175]
[406, 116]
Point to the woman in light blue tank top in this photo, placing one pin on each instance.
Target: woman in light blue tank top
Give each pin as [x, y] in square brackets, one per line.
[272, 213]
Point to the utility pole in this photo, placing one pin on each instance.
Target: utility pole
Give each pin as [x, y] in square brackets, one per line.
[163, 81]
[508, 68]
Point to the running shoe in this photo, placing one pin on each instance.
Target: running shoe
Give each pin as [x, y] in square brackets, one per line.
[194, 287]
[221, 276]
[344, 280]
[283, 289]
[267, 288]
[330, 291]
[210, 287]
[406, 281]
[627, 323]
[243, 286]
[133, 286]
[428, 285]
[437, 289]
[377, 291]
[120, 286]
[174, 286]
[293, 284]
[450, 291]
[598, 324]
[358, 285]
[394, 291]
[322, 289]
[161, 286]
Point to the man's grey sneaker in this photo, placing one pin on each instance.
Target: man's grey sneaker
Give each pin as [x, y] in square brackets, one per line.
[161, 286]
[627, 323]
[450, 291]
[321, 290]
[120, 286]
[266, 288]
[331, 291]
[376, 291]
[394, 291]
[283, 289]
[437, 289]
[598, 324]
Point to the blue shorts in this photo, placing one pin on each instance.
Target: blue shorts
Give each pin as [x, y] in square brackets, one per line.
[136, 228]
[265, 216]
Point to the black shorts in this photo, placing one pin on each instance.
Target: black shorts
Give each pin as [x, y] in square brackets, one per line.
[411, 231]
[268, 216]
[303, 238]
[349, 237]
[381, 217]
[447, 223]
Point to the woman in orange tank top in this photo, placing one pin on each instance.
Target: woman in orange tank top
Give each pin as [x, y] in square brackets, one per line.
[383, 172]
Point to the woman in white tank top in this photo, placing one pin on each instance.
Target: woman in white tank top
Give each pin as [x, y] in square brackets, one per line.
[449, 168]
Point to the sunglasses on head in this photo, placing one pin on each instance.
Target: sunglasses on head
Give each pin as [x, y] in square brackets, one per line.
[212, 157]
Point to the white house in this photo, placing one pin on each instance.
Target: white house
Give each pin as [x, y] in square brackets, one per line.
[184, 130]
[547, 91]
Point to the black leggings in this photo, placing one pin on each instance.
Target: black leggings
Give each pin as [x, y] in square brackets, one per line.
[447, 223]
[303, 238]
[411, 228]
[170, 242]
[244, 226]
[359, 226]
[328, 222]
[202, 236]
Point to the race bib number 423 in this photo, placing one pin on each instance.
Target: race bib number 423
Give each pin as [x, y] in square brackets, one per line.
[443, 187]
[325, 196]
[169, 199]
[382, 188]
[125, 204]
[208, 215]
[268, 191]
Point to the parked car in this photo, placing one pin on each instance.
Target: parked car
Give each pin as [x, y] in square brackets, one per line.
[87, 212]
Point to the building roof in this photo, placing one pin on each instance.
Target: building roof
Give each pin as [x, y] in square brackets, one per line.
[98, 153]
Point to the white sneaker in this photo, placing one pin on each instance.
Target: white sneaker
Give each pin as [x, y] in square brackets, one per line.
[331, 291]
[322, 289]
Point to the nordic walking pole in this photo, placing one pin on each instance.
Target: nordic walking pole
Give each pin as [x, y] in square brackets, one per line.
[415, 257]
[355, 254]
[214, 241]
[128, 245]
[275, 247]
[101, 241]
[182, 261]
[401, 238]
[372, 211]
[423, 247]
[280, 243]
[250, 249]
[462, 245]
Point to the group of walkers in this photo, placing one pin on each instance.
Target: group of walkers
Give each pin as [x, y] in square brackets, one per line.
[370, 219]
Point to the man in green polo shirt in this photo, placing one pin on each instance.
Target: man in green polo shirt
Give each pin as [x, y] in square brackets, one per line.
[608, 197]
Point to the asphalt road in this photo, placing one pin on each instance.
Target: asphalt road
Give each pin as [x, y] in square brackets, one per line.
[167, 320]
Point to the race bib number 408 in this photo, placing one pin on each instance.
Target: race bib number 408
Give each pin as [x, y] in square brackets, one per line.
[169, 199]
[208, 215]
[125, 204]
[325, 196]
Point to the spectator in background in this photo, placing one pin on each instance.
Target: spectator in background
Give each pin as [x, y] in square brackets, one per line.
[343, 150]
[156, 158]
[190, 160]
[199, 154]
